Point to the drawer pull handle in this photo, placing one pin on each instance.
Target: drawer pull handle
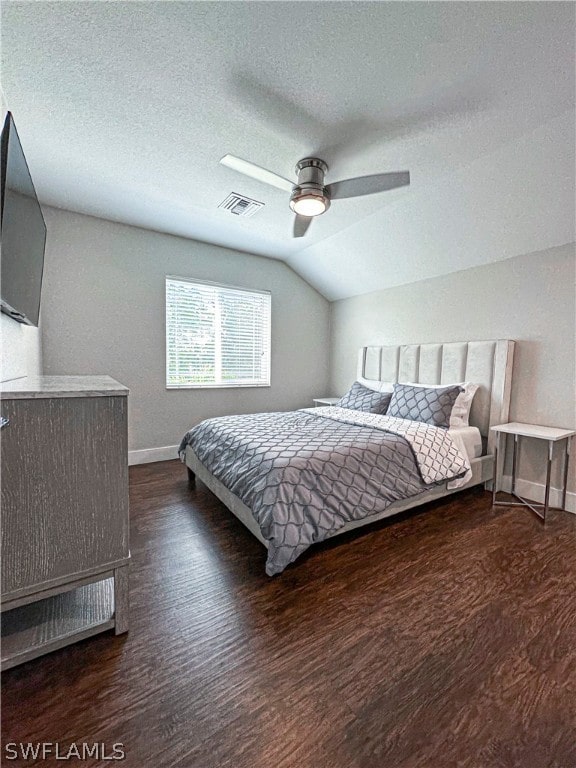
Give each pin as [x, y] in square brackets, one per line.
[4, 422]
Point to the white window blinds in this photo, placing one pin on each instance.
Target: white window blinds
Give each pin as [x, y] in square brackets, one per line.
[216, 336]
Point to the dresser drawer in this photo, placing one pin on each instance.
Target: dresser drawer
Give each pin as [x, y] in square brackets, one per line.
[64, 489]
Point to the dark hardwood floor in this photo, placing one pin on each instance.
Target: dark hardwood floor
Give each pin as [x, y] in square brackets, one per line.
[443, 638]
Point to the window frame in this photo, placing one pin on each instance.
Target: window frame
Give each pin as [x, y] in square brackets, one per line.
[215, 284]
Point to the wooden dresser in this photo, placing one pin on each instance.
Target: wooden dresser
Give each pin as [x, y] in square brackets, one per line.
[64, 515]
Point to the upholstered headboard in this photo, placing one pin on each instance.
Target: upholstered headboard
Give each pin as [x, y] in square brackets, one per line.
[487, 363]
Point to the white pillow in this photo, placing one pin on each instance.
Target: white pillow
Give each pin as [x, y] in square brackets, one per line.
[377, 386]
[461, 409]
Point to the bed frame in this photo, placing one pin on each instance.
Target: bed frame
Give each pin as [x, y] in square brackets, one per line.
[487, 363]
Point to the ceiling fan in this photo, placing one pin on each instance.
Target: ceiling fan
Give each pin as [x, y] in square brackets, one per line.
[309, 196]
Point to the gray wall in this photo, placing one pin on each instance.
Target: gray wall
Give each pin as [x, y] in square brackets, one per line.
[529, 298]
[103, 312]
[21, 349]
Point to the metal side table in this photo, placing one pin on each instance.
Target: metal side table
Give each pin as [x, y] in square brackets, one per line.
[319, 401]
[551, 435]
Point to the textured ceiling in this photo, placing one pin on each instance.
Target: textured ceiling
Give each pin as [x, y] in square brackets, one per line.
[124, 109]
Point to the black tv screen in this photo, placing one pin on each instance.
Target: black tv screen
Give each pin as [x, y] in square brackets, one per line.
[23, 233]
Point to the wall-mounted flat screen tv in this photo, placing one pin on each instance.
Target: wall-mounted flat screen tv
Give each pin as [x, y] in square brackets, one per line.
[23, 233]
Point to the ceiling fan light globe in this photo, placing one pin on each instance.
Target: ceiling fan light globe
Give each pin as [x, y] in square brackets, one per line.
[309, 206]
[307, 203]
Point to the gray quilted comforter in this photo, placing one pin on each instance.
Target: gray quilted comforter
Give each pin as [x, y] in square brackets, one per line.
[304, 474]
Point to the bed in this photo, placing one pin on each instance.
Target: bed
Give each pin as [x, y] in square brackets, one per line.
[300, 477]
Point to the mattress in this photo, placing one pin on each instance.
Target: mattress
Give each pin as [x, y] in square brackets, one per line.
[468, 440]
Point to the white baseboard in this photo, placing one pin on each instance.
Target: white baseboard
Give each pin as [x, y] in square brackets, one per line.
[148, 455]
[535, 492]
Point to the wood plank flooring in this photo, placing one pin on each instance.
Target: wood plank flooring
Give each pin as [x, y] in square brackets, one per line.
[442, 638]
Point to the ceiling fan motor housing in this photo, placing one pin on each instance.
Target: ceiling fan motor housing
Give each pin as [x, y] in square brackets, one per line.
[310, 172]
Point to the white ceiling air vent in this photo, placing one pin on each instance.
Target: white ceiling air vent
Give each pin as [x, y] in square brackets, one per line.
[240, 205]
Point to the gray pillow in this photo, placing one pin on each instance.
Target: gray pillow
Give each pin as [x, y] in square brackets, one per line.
[361, 398]
[430, 405]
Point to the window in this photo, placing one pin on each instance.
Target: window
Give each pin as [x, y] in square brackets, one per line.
[216, 335]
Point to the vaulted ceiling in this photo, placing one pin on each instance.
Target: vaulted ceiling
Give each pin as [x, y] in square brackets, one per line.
[125, 108]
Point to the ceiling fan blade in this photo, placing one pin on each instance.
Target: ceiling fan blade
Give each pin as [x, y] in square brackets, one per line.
[368, 185]
[258, 173]
[301, 224]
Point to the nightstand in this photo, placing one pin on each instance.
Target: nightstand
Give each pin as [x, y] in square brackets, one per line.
[325, 400]
[551, 435]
